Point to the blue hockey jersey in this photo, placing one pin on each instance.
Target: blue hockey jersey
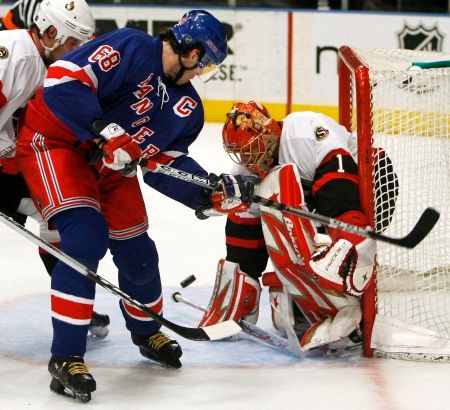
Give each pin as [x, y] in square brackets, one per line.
[119, 78]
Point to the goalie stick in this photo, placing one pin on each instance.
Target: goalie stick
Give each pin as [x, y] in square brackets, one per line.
[420, 230]
[250, 329]
[214, 332]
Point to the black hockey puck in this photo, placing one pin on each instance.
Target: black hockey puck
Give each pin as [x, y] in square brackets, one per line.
[186, 282]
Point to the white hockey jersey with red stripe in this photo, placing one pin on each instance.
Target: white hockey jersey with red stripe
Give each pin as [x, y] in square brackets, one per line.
[308, 137]
[22, 71]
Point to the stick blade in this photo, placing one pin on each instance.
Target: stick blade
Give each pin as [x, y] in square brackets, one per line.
[222, 330]
[422, 228]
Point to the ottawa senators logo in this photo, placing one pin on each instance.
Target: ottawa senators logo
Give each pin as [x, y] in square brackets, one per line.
[321, 133]
[4, 53]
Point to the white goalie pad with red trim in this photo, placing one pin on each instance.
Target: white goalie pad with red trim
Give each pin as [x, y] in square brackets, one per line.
[332, 329]
[289, 234]
[291, 241]
[281, 303]
[235, 296]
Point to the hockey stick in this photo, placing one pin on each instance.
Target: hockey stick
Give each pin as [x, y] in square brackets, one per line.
[214, 332]
[250, 329]
[420, 230]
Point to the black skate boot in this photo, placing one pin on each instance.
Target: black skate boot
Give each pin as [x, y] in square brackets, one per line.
[98, 327]
[159, 347]
[71, 378]
[351, 344]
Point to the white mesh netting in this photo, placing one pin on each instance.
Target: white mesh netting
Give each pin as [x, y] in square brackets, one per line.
[411, 123]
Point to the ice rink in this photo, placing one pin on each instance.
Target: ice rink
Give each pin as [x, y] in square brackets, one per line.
[239, 374]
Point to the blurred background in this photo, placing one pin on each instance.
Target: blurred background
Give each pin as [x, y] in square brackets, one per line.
[283, 53]
[419, 6]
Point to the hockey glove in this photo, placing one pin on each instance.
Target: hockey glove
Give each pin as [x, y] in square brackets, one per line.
[334, 266]
[233, 195]
[119, 149]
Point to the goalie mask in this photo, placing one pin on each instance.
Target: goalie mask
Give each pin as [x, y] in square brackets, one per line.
[251, 137]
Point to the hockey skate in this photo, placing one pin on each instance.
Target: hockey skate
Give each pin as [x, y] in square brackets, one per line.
[159, 347]
[349, 345]
[71, 378]
[98, 328]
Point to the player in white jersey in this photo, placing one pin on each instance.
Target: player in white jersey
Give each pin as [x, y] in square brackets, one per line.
[306, 160]
[24, 56]
[58, 28]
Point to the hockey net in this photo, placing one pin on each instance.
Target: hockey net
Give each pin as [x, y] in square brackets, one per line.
[406, 113]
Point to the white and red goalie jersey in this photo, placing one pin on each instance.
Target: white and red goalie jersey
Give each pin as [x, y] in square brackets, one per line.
[22, 71]
[324, 153]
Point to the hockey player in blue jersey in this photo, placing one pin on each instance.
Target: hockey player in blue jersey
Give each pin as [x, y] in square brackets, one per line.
[142, 83]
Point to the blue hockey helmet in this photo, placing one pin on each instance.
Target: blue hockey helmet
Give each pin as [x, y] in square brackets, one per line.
[199, 26]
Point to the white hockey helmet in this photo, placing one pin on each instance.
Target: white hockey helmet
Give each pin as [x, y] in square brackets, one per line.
[72, 18]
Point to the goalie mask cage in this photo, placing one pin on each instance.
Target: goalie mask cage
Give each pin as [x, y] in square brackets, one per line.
[405, 113]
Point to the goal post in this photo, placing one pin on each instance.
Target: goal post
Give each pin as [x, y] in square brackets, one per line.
[401, 117]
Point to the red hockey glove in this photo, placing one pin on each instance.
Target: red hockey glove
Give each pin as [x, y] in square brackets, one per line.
[119, 149]
[234, 194]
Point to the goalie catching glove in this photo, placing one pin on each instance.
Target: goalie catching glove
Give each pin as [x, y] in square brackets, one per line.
[337, 267]
[234, 194]
[119, 149]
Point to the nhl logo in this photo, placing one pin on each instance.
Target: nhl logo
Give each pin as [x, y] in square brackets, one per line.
[420, 38]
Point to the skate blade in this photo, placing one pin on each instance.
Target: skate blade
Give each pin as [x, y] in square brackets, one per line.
[57, 387]
[172, 363]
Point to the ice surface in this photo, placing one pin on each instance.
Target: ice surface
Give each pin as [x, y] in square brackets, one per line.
[227, 375]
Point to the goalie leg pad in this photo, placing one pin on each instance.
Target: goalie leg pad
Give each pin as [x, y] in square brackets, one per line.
[291, 235]
[331, 330]
[235, 296]
[281, 303]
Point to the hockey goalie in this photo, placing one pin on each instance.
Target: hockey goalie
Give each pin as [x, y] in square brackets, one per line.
[305, 161]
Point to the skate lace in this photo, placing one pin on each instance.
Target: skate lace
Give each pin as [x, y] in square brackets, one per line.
[77, 368]
[158, 340]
